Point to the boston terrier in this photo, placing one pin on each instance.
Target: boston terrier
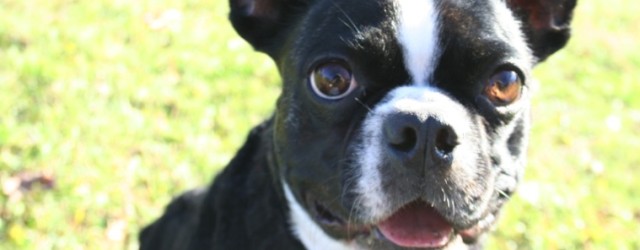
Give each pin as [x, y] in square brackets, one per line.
[402, 124]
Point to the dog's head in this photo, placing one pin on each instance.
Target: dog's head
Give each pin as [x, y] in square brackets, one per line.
[402, 123]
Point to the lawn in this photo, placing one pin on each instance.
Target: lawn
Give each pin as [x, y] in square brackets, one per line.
[110, 108]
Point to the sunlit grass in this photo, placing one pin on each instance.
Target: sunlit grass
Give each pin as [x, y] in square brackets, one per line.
[127, 103]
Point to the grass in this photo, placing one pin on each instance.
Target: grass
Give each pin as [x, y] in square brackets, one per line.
[123, 104]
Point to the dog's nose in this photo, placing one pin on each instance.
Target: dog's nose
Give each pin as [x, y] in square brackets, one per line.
[415, 141]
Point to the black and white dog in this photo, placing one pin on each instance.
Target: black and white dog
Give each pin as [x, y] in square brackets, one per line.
[402, 124]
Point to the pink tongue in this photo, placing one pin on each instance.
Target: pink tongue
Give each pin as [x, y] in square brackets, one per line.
[416, 225]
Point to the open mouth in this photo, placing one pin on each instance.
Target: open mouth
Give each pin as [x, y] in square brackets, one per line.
[415, 225]
[418, 225]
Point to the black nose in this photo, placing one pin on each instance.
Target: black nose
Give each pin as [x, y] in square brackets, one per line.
[417, 142]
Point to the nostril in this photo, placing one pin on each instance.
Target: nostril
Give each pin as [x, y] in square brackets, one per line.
[401, 132]
[445, 141]
[405, 140]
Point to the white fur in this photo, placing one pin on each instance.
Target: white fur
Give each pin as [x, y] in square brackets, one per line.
[424, 102]
[369, 185]
[311, 235]
[417, 32]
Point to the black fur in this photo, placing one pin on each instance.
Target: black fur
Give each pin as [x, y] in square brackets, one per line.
[243, 209]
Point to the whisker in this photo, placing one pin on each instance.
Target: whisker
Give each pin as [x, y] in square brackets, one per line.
[503, 193]
[351, 24]
[363, 104]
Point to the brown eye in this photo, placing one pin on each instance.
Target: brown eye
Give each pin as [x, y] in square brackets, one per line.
[332, 81]
[503, 88]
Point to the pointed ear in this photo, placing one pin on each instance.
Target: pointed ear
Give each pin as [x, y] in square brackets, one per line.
[260, 22]
[545, 23]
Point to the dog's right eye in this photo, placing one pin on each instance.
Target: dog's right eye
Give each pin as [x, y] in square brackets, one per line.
[332, 80]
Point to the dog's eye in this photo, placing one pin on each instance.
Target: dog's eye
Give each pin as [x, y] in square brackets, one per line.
[332, 80]
[503, 88]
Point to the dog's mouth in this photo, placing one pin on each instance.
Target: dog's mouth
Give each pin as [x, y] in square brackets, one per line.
[417, 224]
[414, 225]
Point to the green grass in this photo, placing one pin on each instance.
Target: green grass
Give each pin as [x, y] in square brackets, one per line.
[125, 112]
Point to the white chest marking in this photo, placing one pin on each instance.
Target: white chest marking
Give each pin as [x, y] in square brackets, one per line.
[311, 235]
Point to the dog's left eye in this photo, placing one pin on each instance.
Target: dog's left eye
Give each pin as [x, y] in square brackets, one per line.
[332, 80]
[503, 88]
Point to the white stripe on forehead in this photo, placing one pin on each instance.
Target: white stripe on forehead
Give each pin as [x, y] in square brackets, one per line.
[417, 33]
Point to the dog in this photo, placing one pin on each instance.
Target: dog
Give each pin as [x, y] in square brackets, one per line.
[402, 124]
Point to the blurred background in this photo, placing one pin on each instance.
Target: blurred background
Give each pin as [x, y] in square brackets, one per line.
[110, 108]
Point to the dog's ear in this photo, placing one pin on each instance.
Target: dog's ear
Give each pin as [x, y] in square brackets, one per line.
[545, 23]
[260, 22]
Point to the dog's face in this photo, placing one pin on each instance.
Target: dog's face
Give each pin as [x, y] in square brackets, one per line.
[402, 123]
